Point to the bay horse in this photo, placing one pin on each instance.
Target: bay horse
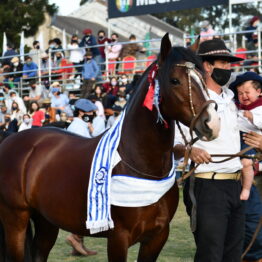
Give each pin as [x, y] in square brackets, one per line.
[44, 173]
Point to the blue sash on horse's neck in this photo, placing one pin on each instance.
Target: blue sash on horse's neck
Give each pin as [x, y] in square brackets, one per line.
[98, 198]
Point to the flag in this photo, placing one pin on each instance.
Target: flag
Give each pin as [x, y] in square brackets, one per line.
[4, 44]
[22, 46]
[64, 39]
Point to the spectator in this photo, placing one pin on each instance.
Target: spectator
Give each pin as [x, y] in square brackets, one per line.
[252, 39]
[98, 92]
[51, 46]
[16, 68]
[3, 112]
[16, 113]
[132, 48]
[35, 52]
[116, 112]
[102, 40]
[76, 55]
[29, 68]
[9, 126]
[10, 53]
[45, 63]
[13, 96]
[89, 74]
[121, 99]
[37, 115]
[59, 101]
[35, 93]
[207, 32]
[58, 46]
[114, 50]
[2, 99]
[111, 90]
[26, 124]
[100, 108]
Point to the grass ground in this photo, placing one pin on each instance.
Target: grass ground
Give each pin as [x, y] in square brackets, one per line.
[179, 247]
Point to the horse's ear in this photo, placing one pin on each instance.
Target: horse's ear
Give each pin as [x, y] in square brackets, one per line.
[164, 49]
[195, 46]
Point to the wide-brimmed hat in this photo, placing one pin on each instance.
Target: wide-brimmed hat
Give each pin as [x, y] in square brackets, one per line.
[216, 49]
[245, 77]
[85, 105]
[55, 84]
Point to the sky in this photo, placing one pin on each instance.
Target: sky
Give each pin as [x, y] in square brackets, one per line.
[66, 6]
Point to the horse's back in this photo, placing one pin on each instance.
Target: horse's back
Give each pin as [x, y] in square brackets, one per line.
[46, 169]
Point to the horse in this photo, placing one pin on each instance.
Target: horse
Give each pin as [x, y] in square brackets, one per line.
[44, 173]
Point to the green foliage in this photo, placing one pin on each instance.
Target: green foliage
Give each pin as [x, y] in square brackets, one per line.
[22, 15]
[217, 15]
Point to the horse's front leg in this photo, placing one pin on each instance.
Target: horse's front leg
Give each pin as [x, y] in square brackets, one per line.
[151, 247]
[117, 246]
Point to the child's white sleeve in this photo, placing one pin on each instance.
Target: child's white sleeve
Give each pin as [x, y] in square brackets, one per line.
[257, 117]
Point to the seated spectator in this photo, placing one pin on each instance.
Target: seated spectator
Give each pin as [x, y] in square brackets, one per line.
[50, 113]
[57, 46]
[100, 108]
[121, 99]
[51, 46]
[98, 92]
[30, 69]
[111, 90]
[45, 63]
[16, 113]
[16, 68]
[113, 51]
[2, 99]
[61, 67]
[116, 112]
[3, 112]
[37, 115]
[89, 74]
[76, 55]
[35, 93]
[13, 96]
[59, 101]
[10, 53]
[252, 38]
[131, 49]
[26, 124]
[9, 126]
[207, 31]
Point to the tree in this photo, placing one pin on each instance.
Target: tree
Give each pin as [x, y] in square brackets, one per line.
[22, 15]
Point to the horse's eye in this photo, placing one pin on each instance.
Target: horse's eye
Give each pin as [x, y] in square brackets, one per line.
[175, 81]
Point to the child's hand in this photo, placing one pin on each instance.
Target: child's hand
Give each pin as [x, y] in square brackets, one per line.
[248, 115]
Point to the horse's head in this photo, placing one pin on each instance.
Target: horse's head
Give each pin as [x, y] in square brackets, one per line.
[183, 91]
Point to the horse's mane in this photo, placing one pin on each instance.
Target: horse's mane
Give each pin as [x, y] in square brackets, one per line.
[178, 54]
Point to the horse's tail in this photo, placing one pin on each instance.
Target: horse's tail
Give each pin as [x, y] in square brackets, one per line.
[2, 243]
[28, 244]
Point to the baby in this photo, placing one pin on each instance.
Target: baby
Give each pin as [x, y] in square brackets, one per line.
[249, 93]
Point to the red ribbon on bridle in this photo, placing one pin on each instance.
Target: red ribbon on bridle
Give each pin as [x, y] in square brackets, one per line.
[149, 99]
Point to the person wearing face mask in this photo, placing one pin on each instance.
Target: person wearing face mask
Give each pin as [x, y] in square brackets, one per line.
[10, 126]
[121, 99]
[35, 52]
[16, 113]
[114, 49]
[14, 97]
[89, 73]
[252, 38]
[76, 55]
[111, 90]
[102, 40]
[16, 68]
[35, 93]
[84, 124]
[207, 32]
[26, 124]
[30, 69]
[219, 220]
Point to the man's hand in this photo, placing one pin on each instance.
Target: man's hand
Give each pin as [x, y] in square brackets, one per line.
[253, 139]
[248, 115]
[199, 156]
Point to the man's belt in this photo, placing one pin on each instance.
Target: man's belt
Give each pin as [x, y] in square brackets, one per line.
[219, 176]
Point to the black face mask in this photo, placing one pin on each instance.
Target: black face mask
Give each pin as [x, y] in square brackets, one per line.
[221, 76]
[88, 118]
[14, 108]
[7, 119]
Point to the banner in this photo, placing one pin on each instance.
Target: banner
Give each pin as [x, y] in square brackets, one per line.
[22, 46]
[233, 2]
[119, 8]
[4, 44]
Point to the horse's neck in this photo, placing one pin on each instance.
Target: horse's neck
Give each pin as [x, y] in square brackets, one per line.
[144, 142]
